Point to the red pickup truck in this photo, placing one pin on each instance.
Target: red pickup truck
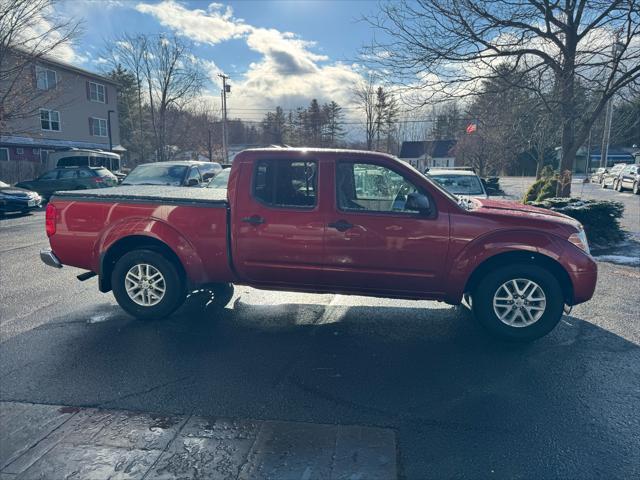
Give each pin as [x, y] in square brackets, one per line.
[336, 221]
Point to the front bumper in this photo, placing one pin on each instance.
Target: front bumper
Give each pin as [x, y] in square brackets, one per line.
[584, 285]
[49, 258]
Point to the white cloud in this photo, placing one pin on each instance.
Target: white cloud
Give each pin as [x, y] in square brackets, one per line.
[212, 26]
[289, 72]
[39, 34]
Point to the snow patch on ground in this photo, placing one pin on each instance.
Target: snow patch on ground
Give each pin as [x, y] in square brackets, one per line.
[619, 259]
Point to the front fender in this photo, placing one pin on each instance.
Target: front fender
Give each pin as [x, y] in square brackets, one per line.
[158, 230]
[464, 262]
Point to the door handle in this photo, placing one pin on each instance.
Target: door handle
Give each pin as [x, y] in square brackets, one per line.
[341, 225]
[254, 220]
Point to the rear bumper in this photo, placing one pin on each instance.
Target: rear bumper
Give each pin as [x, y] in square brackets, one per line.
[49, 258]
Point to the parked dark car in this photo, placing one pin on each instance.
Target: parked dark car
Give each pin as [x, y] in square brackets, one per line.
[70, 178]
[178, 173]
[14, 199]
[629, 178]
[609, 178]
[596, 177]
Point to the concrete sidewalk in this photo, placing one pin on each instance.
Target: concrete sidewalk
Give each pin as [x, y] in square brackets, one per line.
[54, 442]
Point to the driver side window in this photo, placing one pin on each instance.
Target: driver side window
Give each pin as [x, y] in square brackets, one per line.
[370, 187]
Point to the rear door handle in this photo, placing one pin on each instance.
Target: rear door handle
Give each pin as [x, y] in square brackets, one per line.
[253, 220]
[341, 225]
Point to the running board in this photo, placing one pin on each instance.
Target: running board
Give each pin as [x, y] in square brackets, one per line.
[86, 276]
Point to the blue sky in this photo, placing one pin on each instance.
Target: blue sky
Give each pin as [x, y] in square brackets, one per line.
[276, 52]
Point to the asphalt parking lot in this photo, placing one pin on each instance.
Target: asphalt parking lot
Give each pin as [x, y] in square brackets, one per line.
[461, 405]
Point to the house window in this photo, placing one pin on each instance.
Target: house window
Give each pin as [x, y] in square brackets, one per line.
[98, 127]
[50, 120]
[46, 78]
[36, 151]
[19, 151]
[96, 92]
[4, 154]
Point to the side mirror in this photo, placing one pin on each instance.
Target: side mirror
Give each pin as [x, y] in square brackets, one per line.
[193, 182]
[208, 176]
[418, 202]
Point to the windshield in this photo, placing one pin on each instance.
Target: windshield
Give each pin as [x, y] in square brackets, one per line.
[220, 180]
[460, 184]
[156, 175]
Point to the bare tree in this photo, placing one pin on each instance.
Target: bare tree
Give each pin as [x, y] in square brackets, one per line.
[173, 78]
[443, 48]
[129, 50]
[364, 94]
[29, 31]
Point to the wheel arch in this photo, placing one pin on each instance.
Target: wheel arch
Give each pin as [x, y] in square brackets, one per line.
[522, 257]
[128, 244]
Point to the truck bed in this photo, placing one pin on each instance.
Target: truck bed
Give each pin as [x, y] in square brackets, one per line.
[193, 221]
[149, 193]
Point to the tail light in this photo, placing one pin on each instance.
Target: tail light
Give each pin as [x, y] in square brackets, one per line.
[50, 217]
[98, 180]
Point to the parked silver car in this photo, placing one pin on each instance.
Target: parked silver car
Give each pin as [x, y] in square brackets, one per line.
[461, 182]
[628, 179]
[609, 178]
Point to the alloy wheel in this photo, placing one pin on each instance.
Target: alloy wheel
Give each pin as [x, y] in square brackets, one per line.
[145, 284]
[519, 302]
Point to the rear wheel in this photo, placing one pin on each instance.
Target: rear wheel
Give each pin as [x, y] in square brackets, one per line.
[603, 183]
[519, 302]
[147, 285]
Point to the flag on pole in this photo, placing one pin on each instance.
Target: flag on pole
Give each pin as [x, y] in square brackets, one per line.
[472, 127]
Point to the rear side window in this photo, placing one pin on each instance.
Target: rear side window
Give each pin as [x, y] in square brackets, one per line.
[66, 174]
[286, 183]
[85, 174]
[52, 175]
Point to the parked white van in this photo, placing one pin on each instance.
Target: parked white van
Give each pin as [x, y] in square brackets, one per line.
[80, 157]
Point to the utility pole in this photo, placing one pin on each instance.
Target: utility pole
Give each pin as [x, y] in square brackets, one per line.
[616, 50]
[225, 89]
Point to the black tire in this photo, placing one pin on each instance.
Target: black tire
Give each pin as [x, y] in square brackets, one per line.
[174, 283]
[619, 186]
[636, 188]
[489, 285]
[603, 184]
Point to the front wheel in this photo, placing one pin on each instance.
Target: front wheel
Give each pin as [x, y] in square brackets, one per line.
[147, 285]
[636, 188]
[603, 184]
[519, 302]
[619, 186]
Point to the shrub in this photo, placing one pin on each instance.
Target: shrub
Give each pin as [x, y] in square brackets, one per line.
[600, 218]
[534, 191]
[543, 188]
[548, 189]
